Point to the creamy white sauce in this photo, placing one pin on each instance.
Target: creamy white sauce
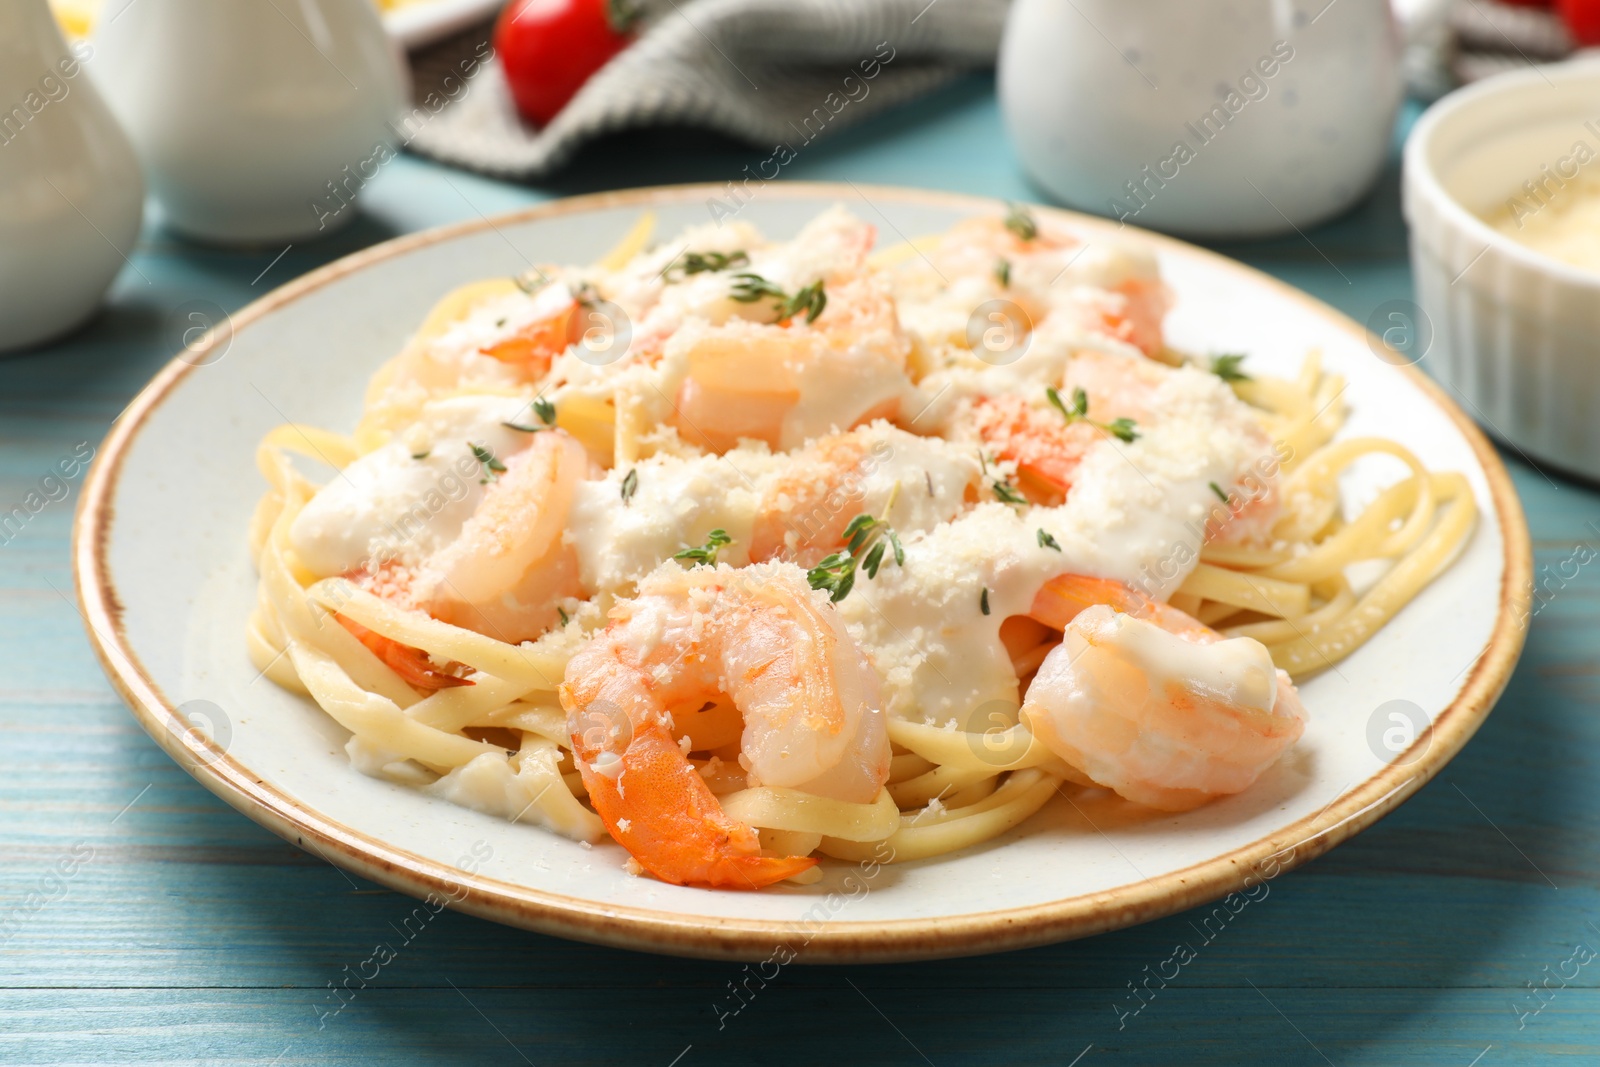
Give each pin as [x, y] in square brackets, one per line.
[489, 784]
[391, 504]
[676, 504]
[1137, 512]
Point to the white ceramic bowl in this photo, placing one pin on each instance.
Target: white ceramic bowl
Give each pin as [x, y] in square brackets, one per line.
[1513, 333]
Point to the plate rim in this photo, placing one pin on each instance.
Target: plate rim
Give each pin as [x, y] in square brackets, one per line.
[722, 938]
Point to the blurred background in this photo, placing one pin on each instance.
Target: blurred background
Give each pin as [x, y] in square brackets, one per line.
[165, 162]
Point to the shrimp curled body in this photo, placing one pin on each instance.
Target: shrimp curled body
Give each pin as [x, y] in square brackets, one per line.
[1152, 704]
[763, 639]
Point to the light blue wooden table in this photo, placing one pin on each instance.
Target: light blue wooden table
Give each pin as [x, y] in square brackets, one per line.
[182, 932]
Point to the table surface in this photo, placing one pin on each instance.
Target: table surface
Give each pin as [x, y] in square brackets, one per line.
[186, 933]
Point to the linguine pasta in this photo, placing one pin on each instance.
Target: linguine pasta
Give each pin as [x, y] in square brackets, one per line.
[986, 554]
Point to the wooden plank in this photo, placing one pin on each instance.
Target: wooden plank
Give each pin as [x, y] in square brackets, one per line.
[855, 1017]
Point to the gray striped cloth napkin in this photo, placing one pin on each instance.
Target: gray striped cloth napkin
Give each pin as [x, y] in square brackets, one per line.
[764, 71]
[1453, 42]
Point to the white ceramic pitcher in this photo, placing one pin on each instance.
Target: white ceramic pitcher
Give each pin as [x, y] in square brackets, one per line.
[1215, 118]
[70, 193]
[257, 120]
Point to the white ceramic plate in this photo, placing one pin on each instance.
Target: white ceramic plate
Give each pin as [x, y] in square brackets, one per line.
[166, 584]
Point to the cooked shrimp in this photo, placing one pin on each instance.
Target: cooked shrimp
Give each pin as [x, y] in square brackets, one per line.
[1048, 449]
[414, 666]
[504, 573]
[1152, 704]
[830, 249]
[535, 344]
[913, 483]
[392, 581]
[763, 639]
[783, 382]
[1044, 268]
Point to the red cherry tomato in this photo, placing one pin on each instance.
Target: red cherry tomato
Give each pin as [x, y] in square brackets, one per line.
[549, 48]
[1582, 18]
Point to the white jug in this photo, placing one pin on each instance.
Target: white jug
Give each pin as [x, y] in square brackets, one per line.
[258, 120]
[70, 193]
[1221, 118]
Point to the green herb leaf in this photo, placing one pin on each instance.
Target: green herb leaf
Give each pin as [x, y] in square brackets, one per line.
[544, 409]
[706, 553]
[1007, 495]
[1020, 222]
[562, 612]
[1122, 429]
[983, 601]
[422, 455]
[1046, 541]
[705, 262]
[867, 540]
[492, 467]
[748, 288]
[531, 280]
[630, 484]
[857, 528]
[810, 300]
[1002, 270]
[1226, 367]
[1217, 489]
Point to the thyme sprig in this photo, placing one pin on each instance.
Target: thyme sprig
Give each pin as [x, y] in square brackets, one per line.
[1007, 494]
[706, 553]
[1226, 367]
[867, 541]
[1021, 222]
[1122, 429]
[749, 288]
[546, 412]
[492, 467]
[705, 263]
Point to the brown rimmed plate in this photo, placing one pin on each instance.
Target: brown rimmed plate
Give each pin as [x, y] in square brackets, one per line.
[166, 583]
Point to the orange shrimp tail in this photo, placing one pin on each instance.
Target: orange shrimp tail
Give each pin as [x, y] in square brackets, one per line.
[759, 871]
[411, 664]
[664, 814]
[537, 345]
[1060, 600]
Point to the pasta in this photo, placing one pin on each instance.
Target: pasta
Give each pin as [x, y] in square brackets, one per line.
[826, 552]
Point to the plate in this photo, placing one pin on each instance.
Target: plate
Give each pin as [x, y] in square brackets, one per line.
[166, 583]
